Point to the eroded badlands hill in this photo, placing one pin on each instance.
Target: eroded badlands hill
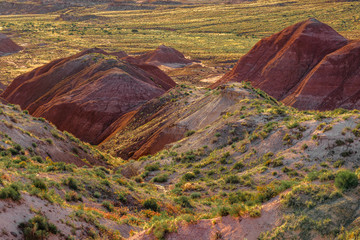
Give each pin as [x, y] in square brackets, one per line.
[7, 46]
[307, 65]
[88, 92]
[165, 55]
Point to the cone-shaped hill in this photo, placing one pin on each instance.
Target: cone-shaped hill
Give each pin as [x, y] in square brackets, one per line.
[165, 55]
[87, 92]
[7, 45]
[307, 65]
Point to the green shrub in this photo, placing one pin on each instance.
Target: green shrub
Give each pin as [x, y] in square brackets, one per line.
[188, 176]
[37, 228]
[223, 211]
[232, 179]
[189, 133]
[238, 165]
[152, 167]
[108, 205]
[312, 176]
[40, 184]
[11, 191]
[151, 204]
[49, 141]
[122, 197]
[38, 159]
[338, 163]
[345, 180]
[161, 178]
[195, 195]
[183, 201]
[72, 183]
[73, 197]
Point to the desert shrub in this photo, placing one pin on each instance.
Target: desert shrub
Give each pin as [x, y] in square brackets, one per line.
[11, 191]
[37, 228]
[108, 205]
[13, 151]
[183, 201]
[195, 195]
[312, 176]
[345, 180]
[152, 167]
[255, 212]
[49, 141]
[41, 119]
[101, 172]
[122, 197]
[238, 165]
[188, 176]
[241, 197]
[151, 204]
[161, 178]
[346, 153]
[39, 183]
[292, 125]
[73, 197]
[326, 176]
[232, 179]
[309, 195]
[223, 211]
[338, 163]
[38, 159]
[72, 183]
[189, 133]
[56, 135]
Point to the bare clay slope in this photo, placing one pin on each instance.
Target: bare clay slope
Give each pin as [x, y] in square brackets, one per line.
[86, 93]
[168, 119]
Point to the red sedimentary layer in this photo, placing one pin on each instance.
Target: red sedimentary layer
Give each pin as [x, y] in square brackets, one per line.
[87, 92]
[307, 65]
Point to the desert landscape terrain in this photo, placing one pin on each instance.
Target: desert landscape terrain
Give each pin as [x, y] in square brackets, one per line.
[179, 119]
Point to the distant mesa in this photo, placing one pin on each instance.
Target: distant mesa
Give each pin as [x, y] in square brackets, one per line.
[166, 56]
[7, 46]
[88, 92]
[307, 65]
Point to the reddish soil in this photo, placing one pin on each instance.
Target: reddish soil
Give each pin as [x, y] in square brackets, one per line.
[307, 65]
[7, 45]
[333, 83]
[87, 92]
